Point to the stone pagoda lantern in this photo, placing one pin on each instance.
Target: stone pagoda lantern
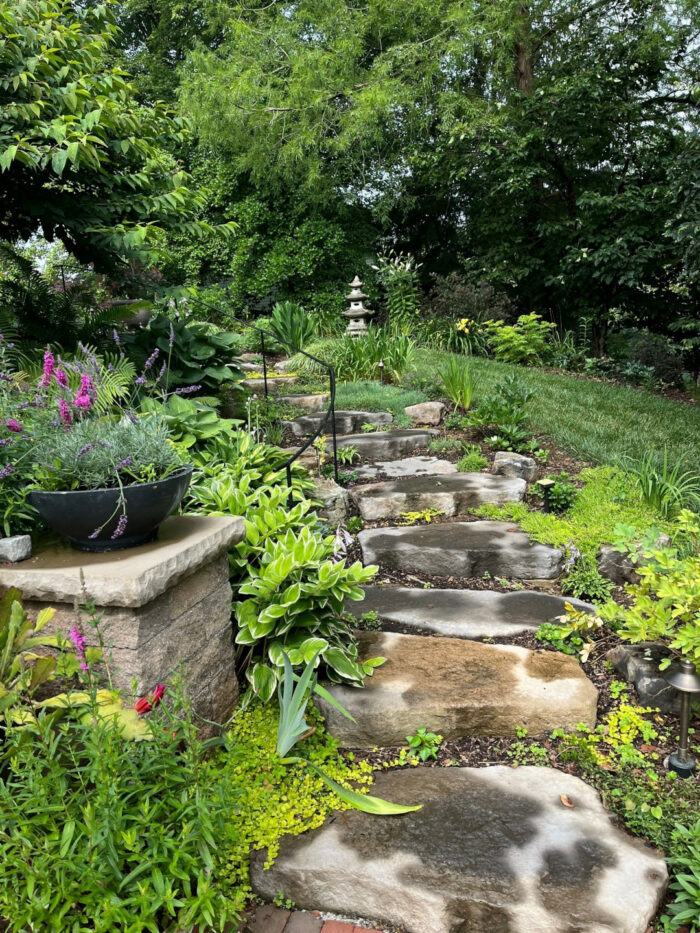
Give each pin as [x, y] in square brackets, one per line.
[358, 314]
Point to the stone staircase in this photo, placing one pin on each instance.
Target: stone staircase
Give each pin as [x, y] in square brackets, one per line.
[494, 849]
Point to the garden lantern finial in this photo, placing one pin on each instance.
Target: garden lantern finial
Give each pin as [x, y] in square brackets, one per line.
[357, 313]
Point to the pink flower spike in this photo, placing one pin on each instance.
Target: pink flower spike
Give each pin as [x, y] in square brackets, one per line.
[61, 378]
[14, 426]
[49, 367]
[64, 411]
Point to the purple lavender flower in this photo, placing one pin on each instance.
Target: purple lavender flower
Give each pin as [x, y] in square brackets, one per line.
[116, 338]
[163, 368]
[7, 471]
[141, 381]
[121, 527]
[95, 533]
[85, 449]
[187, 390]
[123, 464]
[151, 359]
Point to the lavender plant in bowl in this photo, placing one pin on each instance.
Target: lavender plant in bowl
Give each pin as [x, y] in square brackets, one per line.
[108, 483]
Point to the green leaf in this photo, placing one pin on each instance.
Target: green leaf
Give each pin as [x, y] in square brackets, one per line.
[263, 680]
[368, 804]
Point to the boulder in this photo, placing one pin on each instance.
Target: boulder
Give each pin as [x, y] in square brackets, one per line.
[426, 412]
[618, 566]
[492, 850]
[639, 664]
[461, 549]
[410, 466]
[455, 494]
[333, 499]
[458, 688]
[15, 548]
[506, 463]
[463, 613]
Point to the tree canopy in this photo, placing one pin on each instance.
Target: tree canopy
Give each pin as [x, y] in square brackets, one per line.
[80, 158]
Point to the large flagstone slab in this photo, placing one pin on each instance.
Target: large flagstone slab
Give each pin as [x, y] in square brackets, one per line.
[463, 549]
[453, 494]
[458, 688]
[408, 466]
[464, 613]
[346, 422]
[493, 850]
[386, 444]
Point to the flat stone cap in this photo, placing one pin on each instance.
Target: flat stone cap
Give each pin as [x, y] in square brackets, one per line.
[132, 577]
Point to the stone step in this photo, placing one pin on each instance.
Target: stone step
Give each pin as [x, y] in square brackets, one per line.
[492, 850]
[458, 688]
[391, 444]
[258, 385]
[346, 422]
[464, 613]
[461, 549]
[409, 466]
[455, 494]
[314, 402]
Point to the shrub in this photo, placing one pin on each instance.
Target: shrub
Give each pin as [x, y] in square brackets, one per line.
[103, 833]
[398, 273]
[454, 296]
[458, 382]
[562, 494]
[524, 342]
[665, 604]
[292, 326]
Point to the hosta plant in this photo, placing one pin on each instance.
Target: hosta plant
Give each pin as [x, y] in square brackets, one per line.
[296, 597]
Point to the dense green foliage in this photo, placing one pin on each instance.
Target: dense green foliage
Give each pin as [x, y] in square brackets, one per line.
[78, 156]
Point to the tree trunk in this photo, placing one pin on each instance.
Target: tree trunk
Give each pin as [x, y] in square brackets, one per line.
[524, 52]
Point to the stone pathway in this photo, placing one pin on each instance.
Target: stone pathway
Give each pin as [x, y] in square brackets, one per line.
[464, 613]
[495, 849]
[346, 422]
[452, 494]
[461, 549]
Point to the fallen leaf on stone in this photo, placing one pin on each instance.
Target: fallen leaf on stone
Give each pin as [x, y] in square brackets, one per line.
[565, 800]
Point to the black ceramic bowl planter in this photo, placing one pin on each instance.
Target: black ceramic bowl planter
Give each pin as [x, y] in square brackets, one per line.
[77, 513]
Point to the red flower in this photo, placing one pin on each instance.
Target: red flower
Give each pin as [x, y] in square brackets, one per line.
[149, 702]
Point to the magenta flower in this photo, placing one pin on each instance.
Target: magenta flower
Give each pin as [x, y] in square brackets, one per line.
[14, 426]
[61, 378]
[64, 411]
[86, 394]
[79, 644]
[49, 367]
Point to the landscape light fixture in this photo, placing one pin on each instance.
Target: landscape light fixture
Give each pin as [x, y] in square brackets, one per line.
[381, 371]
[546, 486]
[685, 679]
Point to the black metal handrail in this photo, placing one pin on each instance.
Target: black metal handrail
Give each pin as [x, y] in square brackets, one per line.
[330, 413]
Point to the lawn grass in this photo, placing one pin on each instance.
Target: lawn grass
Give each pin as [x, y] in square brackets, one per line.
[372, 396]
[596, 421]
